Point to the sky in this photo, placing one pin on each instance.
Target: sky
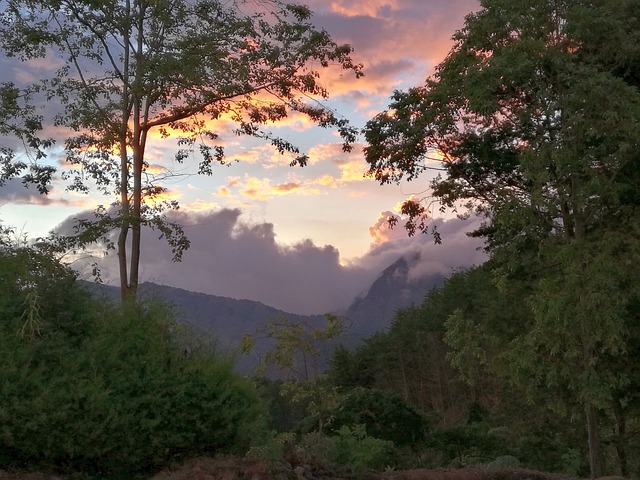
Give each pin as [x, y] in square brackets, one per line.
[306, 240]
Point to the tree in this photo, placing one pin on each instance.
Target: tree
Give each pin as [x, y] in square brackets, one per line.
[174, 66]
[535, 112]
[18, 119]
[297, 347]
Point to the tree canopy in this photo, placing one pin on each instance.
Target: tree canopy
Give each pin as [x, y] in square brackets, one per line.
[535, 112]
[175, 66]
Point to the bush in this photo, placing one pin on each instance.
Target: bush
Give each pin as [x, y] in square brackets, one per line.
[122, 395]
[504, 461]
[468, 444]
[358, 451]
[350, 447]
[384, 414]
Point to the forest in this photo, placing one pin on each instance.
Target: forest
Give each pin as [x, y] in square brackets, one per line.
[527, 363]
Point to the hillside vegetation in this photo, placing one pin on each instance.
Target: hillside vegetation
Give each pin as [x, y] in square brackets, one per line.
[527, 363]
[120, 393]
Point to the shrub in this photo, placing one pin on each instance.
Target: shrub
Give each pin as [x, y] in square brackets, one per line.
[358, 451]
[121, 394]
[468, 444]
[384, 414]
[504, 461]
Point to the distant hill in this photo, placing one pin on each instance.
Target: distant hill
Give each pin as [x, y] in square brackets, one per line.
[224, 319]
[392, 290]
[227, 320]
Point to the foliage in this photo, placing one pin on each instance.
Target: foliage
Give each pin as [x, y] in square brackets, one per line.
[297, 344]
[121, 393]
[179, 68]
[320, 400]
[349, 447]
[359, 451]
[283, 413]
[315, 448]
[37, 292]
[384, 415]
[273, 448]
[468, 444]
[412, 358]
[19, 120]
[504, 461]
[536, 122]
[467, 329]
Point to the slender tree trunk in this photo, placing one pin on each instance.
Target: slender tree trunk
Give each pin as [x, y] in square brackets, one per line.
[595, 452]
[125, 223]
[621, 434]
[138, 147]
[136, 223]
[125, 292]
[588, 350]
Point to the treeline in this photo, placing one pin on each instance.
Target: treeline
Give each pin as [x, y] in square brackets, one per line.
[536, 113]
[467, 359]
[462, 380]
[111, 392]
[457, 381]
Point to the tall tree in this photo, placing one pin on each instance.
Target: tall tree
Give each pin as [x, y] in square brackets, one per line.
[175, 66]
[19, 119]
[536, 112]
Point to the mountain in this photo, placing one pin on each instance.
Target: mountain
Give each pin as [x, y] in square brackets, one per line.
[227, 320]
[394, 289]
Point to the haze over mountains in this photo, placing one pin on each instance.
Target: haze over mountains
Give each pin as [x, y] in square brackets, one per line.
[230, 257]
[226, 320]
[235, 277]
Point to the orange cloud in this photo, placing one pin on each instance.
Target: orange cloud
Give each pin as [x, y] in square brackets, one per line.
[156, 169]
[165, 196]
[380, 232]
[223, 192]
[352, 171]
[287, 187]
[395, 40]
[199, 206]
[326, 181]
[262, 189]
[327, 151]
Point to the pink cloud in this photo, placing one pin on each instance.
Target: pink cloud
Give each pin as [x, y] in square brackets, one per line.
[392, 38]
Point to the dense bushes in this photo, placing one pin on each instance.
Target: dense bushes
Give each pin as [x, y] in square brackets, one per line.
[384, 414]
[124, 393]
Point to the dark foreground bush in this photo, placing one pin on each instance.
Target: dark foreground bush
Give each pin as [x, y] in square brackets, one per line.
[123, 397]
[384, 414]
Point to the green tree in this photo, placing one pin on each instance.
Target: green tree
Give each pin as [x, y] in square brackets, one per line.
[297, 350]
[37, 293]
[20, 121]
[177, 67]
[535, 112]
[384, 414]
[87, 387]
[297, 344]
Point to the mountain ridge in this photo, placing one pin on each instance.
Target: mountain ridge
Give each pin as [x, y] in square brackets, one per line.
[227, 320]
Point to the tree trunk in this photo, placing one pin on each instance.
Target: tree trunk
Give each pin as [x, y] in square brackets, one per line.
[125, 292]
[595, 451]
[138, 146]
[136, 212]
[620, 441]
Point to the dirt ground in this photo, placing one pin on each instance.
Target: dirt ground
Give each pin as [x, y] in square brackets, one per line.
[242, 469]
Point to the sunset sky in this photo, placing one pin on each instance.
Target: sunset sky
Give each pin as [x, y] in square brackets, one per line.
[303, 239]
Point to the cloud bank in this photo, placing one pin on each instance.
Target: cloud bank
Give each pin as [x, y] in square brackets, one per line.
[234, 258]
